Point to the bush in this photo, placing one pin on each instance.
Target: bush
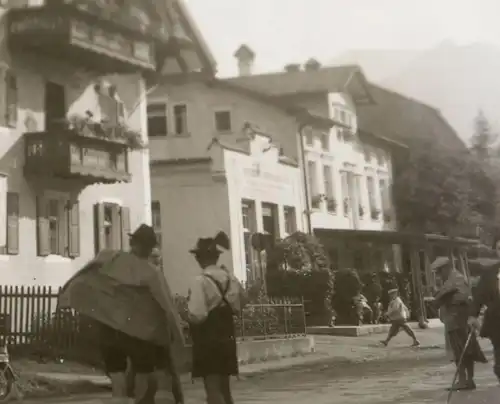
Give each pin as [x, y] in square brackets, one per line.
[348, 286]
[299, 267]
[372, 289]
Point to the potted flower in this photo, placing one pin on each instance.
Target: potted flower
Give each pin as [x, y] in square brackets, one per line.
[331, 204]
[375, 214]
[361, 210]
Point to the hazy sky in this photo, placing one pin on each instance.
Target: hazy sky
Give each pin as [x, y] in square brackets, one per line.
[286, 31]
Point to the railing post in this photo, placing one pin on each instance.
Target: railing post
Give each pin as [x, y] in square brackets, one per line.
[304, 316]
[285, 318]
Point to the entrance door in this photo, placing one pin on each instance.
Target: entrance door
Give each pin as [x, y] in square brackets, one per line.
[55, 106]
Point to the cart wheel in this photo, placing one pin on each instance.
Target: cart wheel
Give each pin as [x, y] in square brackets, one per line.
[6, 384]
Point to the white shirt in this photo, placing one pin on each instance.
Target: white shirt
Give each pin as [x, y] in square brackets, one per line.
[205, 296]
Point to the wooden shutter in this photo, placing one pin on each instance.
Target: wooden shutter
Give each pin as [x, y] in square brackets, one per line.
[43, 234]
[74, 229]
[125, 227]
[10, 99]
[116, 227]
[99, 238]
[12, 223]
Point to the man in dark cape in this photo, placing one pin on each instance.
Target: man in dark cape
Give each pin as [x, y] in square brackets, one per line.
[132, 305]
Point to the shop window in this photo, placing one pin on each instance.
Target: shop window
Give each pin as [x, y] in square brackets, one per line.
[157, 119]
[156, 215]
[290, 220]
[111, 226]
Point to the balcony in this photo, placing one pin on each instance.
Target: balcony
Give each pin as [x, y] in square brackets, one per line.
[69, 33]
[67, 154]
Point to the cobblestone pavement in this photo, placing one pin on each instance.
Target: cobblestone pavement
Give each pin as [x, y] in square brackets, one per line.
[405, 382]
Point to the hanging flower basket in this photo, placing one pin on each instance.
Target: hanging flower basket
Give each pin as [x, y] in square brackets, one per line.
[120, 133]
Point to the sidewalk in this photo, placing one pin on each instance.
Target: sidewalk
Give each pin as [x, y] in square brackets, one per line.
[329, 349]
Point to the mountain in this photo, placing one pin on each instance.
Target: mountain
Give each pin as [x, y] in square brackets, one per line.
[457, 79]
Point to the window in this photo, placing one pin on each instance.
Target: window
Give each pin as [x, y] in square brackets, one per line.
[313, 184]
[331, 203]
[111, 226]
[58, 226]
[290, 220]
[370, 185]
[359, 191]
[308, 136]
[112, 109]
[9, 219]
[325, 141]
[180, 119]
[270, 220]
[156, 215]
[384, 195]
[248, 215]
[223, 121]
[367, 155]
[248, 220]
[157, 120]
[345, 192]
[10, 99]
[343, 117]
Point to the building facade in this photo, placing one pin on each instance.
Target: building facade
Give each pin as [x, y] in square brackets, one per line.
[348, 170]
[74, 170]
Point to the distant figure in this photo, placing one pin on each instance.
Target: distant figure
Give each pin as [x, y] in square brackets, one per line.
[454, 296]
[398, 315]
[377, 310]
[214, 297]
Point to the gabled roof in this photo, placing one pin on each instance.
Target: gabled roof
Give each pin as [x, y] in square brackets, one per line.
[402, 119]
[348, 78]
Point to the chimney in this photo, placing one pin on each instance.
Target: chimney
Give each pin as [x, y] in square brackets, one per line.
[245, 57]
[312, 65]
[292, 67]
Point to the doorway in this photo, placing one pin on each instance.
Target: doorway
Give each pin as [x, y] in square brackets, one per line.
[55, 106]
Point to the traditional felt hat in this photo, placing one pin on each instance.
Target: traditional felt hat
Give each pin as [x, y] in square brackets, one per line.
[394, 290]
[210, 245]
[439, 263]
[144, 235]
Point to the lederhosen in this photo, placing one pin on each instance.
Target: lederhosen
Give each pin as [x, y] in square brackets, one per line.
[214, 342]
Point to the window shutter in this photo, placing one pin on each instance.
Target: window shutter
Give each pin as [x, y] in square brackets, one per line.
[12, 223]
[99, 241]
[10, 99]
[116, 227]
[125, 226]
[42, 227]
[74, 229]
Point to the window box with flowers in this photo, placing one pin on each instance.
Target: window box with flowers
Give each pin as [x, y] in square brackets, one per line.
[375, 214]
[361, 210]
[316, 200]
[331, 204]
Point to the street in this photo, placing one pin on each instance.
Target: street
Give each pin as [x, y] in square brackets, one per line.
[408, 382]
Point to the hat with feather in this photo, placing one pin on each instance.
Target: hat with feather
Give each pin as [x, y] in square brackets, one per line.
[210, 245]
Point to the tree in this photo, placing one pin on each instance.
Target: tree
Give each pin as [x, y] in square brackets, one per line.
[440, 190]
[483, 139]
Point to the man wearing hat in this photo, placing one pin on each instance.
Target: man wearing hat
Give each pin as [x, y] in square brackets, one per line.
[454, 299]
[214, 298]
[487, 294]
[132, 305]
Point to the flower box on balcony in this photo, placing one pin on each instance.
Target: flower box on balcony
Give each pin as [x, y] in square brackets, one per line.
[316, 201]
[375, 214]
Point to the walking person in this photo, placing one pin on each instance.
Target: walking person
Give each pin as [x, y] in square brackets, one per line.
[132, 306]
[213, 299]
[487, 294]
[455, 297]
[398, 315]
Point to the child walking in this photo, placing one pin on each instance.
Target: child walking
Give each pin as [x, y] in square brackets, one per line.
[398, 314]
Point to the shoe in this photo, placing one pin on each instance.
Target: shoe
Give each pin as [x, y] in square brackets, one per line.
[384, 343]
[415, 344]
[459, 387]
[471, 385]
